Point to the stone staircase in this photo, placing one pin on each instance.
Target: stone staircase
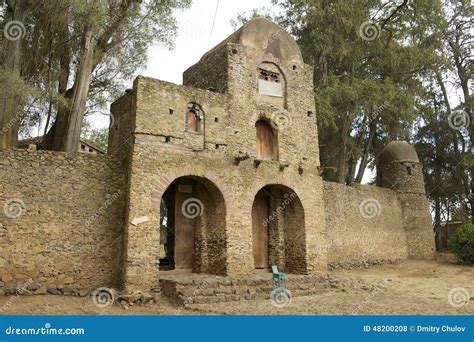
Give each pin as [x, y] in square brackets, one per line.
[186, 289]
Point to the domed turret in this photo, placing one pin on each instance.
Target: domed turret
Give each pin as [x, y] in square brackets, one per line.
[398, 151]
[399, 169]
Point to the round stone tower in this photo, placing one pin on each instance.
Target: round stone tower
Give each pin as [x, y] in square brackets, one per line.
[399, 169]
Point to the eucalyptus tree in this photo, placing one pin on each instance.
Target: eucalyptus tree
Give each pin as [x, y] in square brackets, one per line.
[78, 54]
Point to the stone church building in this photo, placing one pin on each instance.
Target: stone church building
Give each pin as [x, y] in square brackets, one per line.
[220, 175]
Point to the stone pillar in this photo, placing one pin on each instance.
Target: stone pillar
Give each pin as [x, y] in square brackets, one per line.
[400, 170]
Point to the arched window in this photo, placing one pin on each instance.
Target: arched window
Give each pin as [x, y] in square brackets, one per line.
[267, 140]
[194, 118]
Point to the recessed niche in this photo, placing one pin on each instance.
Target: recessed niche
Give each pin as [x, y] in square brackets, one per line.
[171, 110]
[216, 119]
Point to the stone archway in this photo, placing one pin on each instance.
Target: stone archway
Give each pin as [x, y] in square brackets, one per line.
[278, 230]
[194, 229]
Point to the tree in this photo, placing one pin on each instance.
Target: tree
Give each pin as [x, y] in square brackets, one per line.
[96, 136]
[13, 30]
[79, 54]
[457, 36]
[367, 86]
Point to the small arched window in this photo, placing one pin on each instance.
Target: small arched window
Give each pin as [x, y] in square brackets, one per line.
[267, 140]
[194, 118]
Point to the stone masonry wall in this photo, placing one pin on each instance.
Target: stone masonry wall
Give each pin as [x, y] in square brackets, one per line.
[61, 219]
[160, 136]
[364, 225]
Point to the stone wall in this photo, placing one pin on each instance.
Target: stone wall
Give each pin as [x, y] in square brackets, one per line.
[61, 219]
[160, 136]
[211, 72]
[364, 225]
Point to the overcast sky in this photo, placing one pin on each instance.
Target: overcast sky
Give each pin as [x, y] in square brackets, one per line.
[194, 36]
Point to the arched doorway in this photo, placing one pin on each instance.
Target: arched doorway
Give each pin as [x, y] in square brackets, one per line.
[278, 230]
[193, 216]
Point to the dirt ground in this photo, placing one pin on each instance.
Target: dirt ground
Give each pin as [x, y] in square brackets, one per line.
[412, 287]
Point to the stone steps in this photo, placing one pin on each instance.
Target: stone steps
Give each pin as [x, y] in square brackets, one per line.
[205, 289]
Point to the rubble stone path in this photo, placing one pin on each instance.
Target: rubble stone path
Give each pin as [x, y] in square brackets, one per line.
[411, 287]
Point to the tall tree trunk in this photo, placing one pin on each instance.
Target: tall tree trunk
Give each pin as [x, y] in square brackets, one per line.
[65, 132]
[365, 156]
[54, 139]
[342, 162]
[464, 77]
[9, 120]
[437, 219]
[81, 89]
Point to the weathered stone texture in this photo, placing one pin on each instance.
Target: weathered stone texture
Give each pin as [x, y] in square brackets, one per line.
[70, 231]
[74, 224]
[353, 238]
[400, 170]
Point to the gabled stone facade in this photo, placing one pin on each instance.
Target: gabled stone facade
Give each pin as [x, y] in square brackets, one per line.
[253, 86]
[218, 176]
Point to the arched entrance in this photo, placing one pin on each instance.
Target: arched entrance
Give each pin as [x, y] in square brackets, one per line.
[278, 230]
[193, 217]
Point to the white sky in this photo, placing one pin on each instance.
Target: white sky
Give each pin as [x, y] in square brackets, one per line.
[194, 36]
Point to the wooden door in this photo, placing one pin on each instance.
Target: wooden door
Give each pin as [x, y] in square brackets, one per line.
[260, 230]
[191, 121]
[184, 233]
[265, 140]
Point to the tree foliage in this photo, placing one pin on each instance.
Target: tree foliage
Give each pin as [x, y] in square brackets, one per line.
[76, 55]
[462, 244]
[391, 70]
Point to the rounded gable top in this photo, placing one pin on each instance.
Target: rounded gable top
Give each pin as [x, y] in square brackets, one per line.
[398, 151]
[264, 35]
